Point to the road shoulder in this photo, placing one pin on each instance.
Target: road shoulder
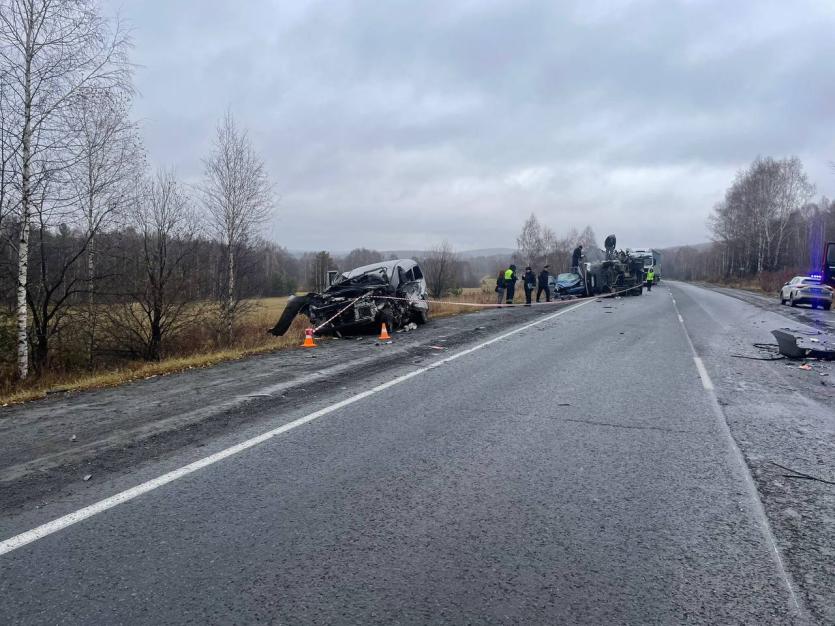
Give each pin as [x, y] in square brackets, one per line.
[781, 417]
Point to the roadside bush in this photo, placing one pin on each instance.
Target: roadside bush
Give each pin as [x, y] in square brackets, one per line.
[770, 282]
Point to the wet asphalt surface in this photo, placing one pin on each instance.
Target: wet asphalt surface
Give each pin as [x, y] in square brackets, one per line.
[48, 447]
[778, 414]
[576, 472]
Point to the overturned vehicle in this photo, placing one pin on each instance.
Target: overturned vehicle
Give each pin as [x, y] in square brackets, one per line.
[390, 292]
[619, 272]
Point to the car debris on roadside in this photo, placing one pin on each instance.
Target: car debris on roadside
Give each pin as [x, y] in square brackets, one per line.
[798, 344]
[393, 293]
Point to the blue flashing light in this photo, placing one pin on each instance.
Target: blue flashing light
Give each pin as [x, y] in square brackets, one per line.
[815, 276]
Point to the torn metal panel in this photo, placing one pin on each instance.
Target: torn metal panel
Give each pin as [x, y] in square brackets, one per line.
[797, 344]
[390, 292]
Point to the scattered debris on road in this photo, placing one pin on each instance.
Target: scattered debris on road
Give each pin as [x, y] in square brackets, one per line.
[797, 344]
[801, 475]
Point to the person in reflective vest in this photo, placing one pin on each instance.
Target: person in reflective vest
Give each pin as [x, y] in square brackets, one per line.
[510, 279]
[650, 278]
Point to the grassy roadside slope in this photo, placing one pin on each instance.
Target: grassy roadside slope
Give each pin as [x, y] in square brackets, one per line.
[251, 338]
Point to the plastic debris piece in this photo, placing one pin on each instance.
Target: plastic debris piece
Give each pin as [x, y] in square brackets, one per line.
[73, 438]
[805, 366]
[87, 477]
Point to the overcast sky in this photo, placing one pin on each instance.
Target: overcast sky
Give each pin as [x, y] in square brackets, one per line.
[396, 124]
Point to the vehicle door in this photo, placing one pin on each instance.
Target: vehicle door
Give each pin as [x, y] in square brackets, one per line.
[793, 283]
[784, 290]
[413, 286]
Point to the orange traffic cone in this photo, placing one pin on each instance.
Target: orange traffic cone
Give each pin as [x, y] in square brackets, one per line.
[384, 333]
[308, 339]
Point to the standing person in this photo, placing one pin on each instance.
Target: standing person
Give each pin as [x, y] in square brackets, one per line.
[530, 284]
[543, 285]
[575, 258]
[650, 279]
[510, 279]
[500, 287]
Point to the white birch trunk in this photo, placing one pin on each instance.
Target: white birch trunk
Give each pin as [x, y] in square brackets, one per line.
[26, 203]
[230, 294]
[91, 314]
[22, 308]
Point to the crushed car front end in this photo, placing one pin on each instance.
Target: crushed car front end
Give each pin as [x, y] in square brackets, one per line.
[393, 293]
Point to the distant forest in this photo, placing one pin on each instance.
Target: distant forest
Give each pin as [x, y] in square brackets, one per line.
[767, 228]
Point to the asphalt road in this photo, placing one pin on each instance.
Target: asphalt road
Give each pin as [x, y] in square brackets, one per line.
[581, 470]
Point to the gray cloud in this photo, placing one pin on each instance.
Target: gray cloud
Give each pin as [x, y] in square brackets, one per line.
[396, 124]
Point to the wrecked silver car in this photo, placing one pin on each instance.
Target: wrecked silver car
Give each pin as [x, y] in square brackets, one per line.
[390, 292]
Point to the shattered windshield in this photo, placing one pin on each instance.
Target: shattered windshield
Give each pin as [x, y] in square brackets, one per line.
[567, 278]
[377, 276]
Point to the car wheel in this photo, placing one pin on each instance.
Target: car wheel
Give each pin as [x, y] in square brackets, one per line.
[827, 306]
[387, 318]
[791, 300]
[782, 299]
[421, 316]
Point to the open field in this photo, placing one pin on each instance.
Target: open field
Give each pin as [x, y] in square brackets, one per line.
[251, 338]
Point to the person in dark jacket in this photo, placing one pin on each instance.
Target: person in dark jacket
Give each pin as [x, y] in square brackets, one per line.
[575, 258]
[510, 279]
[543, 285]
[530, 284]
[500, 287]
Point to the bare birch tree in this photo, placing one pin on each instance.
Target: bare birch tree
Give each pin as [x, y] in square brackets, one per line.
[530, 243]
[109, 161]
[50, 50]
[238, 197]
[440, 268]
[157, 301]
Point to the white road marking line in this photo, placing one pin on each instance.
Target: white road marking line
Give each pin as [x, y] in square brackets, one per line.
[60, 523]
[706, 382]
[753, 493]
[680, 318]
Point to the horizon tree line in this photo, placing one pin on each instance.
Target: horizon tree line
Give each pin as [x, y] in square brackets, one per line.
[765, 229]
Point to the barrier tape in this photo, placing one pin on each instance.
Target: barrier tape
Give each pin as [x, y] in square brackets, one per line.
[505, 305]
[471, 304]
[340, 312]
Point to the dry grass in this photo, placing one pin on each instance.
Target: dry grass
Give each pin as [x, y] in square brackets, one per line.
[486, 294]
[251, 338]
[768, 283]
[199, 350]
